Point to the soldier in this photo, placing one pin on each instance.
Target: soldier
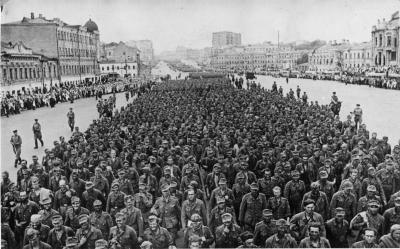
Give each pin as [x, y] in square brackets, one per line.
[58, 236]
[239, 189]
[222, 192]
[392, 215]
[62, 198]
[47, 212]
[345, 199]
[72, 214]
[143, 200]
[227, 234]
[192, 206]
[167, 207]
[125, 185]
[71, 119]
[101, 244]
[251, 207]
[22, 213]
[100, 182]
[16, 142]
[217, 212]
[281, 239]
[115, 199]
[294, 191]
[87, 234]
[279, 205]
[122, 235]
[392, 239]
[314, 240]
[337, 229]
[321, 201]
[369, 239]
[43, 230]
[133, 216]
[90, 195]
[157, 235]
[326, 186]
[362, 204]
[299, 223]
[265, 228]
[99, 219]
[368, 219]
[34, 242]
[196, 227]
[37, 133]
[77, 183]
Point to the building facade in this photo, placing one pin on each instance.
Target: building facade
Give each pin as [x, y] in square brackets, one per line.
[74, 47]
[385, 42]
[358, 55]
[119, 52]
[146, 49]
[121, 68]
[226, 39]
[19, 65]
[329, 57]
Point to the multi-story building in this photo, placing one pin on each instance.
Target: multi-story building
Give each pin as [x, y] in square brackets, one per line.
[226, 39]
[19, 65]
[329, 57]
[74, 47]
[120, 58]
[358, 55]
[385, 42]
[146, 49]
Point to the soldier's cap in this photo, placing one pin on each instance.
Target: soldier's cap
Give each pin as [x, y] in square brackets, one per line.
[295, 172]
[340, 210]
[394, 227]
[254, 186]
[142, 185]
[121, 171]
[173, 184]
[119, 215]
[328, 160]
[308, 202]
[100, 244]
[128, 197]
[194, 183]
[373, 203]
[15, 131]
[217, 166]
[83, 218]
[23, 194]
[220, 200]
[165, 187]
[146, 168]
[125, 161]
[222, 181]
[34, 179]
[240, 175]
[56, 217]
[94, 151]
[36, 218]
[356, 157]
[281, 222]
[30, 232]
[226, 217]
[347, 185]
[195, 217]
[115, 183]
[36, 119]
[267, 212]
[152, 158]
[385, 138]
[75, 199]
[371, 168]
[315, 185]
[97, 203]
[246, 236]
[358, 104]
[323, 174]
[397, 199]
[153, 217]
[34, 157]
[46, 200]
[89, 185]
[371, 188]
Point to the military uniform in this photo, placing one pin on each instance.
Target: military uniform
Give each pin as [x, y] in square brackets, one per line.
[299, 224]
[216, 217]
[47, 216]
[279, 206]
[286, 242]
[16, 141]
[91, 236]
[189, 208]
[392, 216]
[227, 240]
[37, 133]
[134, 219]
[322, 243]
[336, 233]
[101, 184]
[125, 237]
[321, 203]
[43, 233]
[115, 202]
[239, 191]
[23, 213]
[251, 210]
[170, 213]
[101, 221]
[203, 231]
[58, 240]
[348, 202]
[72, 217]
[263, 231]
[160, 238]
[294, 191]
[363, 244]
[218, 193]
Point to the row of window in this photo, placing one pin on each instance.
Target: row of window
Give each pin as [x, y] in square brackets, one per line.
[379, 41]
[29, 73]
[117, 67]
[67, 36]
[74, 69]
[71, 52]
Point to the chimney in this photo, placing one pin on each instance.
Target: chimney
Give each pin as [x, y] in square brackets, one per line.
[40, 16]
[32, 15]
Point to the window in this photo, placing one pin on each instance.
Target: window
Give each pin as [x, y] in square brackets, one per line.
[389, 41]
[26, 73]
[4, 73]
[117, 67]
[395, 42]
[129, 67]
[108, 68]
[102, 68]
[109, 53]
[380, 40]
[376, 41]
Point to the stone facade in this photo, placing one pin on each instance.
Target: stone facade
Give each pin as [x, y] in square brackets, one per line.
[328, 57]
[358, 56]
[385, 42]
[146, 49]
[121, 68]
[226, 38]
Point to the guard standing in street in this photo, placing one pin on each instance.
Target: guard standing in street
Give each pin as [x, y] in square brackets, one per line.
[37, 133]
[16, 142]
[71, 119]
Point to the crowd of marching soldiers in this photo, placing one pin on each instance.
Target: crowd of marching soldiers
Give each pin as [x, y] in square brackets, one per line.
[199, 164]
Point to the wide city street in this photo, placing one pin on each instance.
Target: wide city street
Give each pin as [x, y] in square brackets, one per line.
[381, 107]
[54, 124]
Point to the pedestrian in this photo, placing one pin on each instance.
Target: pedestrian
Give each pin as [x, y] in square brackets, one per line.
[16, 143]
[71, 119]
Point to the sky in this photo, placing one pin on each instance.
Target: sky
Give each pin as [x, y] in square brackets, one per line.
[190, 23]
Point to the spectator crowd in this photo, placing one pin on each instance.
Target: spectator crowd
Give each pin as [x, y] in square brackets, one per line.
[200, 164]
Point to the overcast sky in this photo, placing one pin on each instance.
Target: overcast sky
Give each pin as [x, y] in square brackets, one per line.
[190, 23]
